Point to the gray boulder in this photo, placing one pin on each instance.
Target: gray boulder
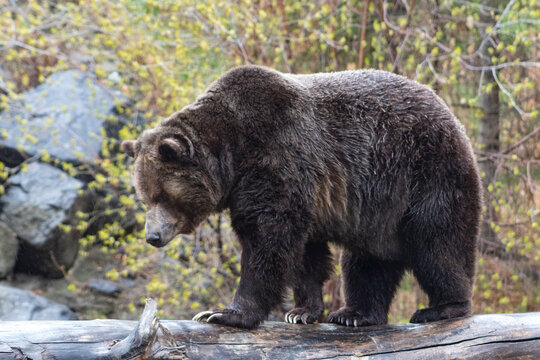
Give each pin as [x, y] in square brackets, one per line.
[105, 287]
[36, 203]
[8, 250]
[63, 116]
[20, 305]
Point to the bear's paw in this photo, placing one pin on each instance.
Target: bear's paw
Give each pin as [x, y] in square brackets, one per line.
[302, 315]
[349, 316]
[229, 317]
[441, 312]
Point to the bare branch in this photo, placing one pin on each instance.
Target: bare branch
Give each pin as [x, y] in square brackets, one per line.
[479, 92]
[522, 141]
[363, 35]
[433, 71]
[482, 7]
[420, 32]
[511, 148]
[519, 21]
[17, 43]
[505, 12]
[507, 93]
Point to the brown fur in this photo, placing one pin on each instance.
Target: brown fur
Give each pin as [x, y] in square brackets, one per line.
[365, 159]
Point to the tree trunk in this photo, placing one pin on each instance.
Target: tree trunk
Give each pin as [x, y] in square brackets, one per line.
[489, 140]
[481, 336]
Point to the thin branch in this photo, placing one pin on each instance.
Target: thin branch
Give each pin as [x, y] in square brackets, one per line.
[401, 50]
[409, 10]
[520, 21]
[489, 36]
[12, 43]
[479, 92]
[480, 6]
[363, 35]
[511, 147]
[522, 141]
[507, 93]
[505, 12]
[501, 66]
[418, 31]
[433, 71]
[529, 181]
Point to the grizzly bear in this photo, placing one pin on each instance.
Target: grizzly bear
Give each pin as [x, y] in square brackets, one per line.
[368, 160]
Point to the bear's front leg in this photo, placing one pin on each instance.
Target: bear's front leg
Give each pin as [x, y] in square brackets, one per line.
[260, 289]
[270, 254]
[269, 214]
[264, 270]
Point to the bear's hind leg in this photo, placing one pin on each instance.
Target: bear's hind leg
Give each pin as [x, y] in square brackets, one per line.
[447, 279]
[308, 283]
[449, 294]
[440, 231]
[443, 251]
[369, 286]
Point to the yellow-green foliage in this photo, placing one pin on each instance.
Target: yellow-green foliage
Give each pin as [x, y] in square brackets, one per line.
[162, 54]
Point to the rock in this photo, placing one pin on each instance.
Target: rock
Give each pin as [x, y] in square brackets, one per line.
[36, 203]
[63, 116]
[8, 250]
[11, 156]
[105, 287]
[128, 282]
[17, 304]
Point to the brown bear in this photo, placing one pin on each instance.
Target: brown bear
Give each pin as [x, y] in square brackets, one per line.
[368, 160]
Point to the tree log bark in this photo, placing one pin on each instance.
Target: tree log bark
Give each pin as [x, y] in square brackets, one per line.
[480, 336]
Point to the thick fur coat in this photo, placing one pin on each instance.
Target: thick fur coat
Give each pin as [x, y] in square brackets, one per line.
[368, 160]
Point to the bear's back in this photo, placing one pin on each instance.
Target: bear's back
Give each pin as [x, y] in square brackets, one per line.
[374, 91]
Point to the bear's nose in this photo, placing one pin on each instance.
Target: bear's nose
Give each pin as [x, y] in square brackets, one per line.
[153, 238]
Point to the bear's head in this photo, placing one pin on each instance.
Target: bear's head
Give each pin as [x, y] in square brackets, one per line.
[173, 178]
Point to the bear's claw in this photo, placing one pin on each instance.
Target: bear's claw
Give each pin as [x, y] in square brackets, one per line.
[228, 317]
[203, 315]
[351, 317]
[301, 316]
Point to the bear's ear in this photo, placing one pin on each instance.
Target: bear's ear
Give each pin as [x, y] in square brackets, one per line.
[129, 147]
[177, 149]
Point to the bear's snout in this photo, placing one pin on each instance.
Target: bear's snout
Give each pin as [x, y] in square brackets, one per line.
[154, 239]
[160, 228]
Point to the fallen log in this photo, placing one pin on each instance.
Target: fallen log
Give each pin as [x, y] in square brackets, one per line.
[480, 336]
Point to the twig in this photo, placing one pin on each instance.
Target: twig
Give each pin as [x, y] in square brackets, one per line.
[20, 44]
[522, 141]
[363, 35]
[507, 93]
[520, 21]
[529, 182]
[432, 68]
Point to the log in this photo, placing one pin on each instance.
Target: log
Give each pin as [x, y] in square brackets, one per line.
[479, 336]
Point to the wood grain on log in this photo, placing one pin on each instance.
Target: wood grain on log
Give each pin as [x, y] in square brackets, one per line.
[481, 336]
